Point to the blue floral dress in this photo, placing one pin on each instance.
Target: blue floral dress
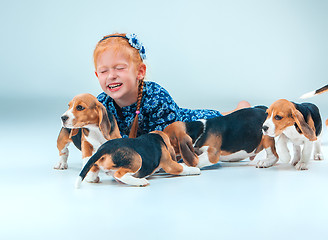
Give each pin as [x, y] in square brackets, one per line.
[157, 110]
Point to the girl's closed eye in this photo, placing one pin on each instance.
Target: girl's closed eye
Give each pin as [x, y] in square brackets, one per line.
[103, 71]
[120, 67]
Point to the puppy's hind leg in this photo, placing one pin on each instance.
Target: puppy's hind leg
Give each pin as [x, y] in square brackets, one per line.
[172, 167]
[125, 173]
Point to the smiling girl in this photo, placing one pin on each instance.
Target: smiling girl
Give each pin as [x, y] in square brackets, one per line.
[139, 106]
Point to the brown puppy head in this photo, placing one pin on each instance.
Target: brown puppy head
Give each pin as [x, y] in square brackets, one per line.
[182, 143]
[283, 114]
[85, 111]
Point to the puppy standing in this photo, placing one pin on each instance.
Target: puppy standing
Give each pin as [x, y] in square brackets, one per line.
[86, 124]
[299, 123]
[131, 160]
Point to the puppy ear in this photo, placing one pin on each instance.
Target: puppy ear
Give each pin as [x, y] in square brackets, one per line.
[305, 128]
[187, 150]
[104, 124]
[74, 132]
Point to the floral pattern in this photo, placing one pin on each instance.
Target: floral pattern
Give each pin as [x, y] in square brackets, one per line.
[157, 111]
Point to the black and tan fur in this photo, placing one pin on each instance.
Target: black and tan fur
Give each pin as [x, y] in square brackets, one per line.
[233, 137]
[131, 160]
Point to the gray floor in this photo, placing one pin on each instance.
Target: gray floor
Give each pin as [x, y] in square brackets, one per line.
[227, 201]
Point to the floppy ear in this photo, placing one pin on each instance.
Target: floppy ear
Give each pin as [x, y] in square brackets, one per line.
[74, 132]
[187, 150]
[104, 124]
[305, 128]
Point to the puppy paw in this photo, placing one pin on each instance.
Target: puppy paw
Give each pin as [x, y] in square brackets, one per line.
[301, 166]
[189, 170]
[269, 162]
[61, 165]
[92, 179]
[318, 156]
[142, 183]
[133, 181]
[264, 164]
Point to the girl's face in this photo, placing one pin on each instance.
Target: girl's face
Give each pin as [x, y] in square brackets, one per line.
[118, 77]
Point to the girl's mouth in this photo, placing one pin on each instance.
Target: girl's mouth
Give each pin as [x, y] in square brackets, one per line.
[114, 86]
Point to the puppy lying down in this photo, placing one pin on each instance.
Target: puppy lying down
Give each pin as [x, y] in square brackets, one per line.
[132, 160]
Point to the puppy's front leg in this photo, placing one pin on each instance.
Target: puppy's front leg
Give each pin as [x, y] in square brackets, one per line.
[63, 142]
[317, 150]
[297, 154]
[282, 149]
[272, 156]
[306, 155]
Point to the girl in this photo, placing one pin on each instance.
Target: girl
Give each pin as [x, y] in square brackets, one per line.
[139, 106]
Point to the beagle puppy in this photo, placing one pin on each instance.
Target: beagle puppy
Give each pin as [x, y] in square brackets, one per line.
[131, 160]
[299, 123]
[315, 92]
[229, 138]
[86, 124]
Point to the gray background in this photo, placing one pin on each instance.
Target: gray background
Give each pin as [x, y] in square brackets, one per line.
[207, 54]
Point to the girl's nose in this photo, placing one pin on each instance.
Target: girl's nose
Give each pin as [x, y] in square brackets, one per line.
[112, 75]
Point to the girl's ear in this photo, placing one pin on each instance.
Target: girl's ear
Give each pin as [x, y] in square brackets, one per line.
[141, 71]
[96, 74]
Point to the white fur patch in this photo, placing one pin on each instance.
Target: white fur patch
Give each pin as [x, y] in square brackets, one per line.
[130, 180]
[271, 127]
[189, 170]
[95, 137]
[203, 158]
[308, 95]
[237, 156]
[69, 122]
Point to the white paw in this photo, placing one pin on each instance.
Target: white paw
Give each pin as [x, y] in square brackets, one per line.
[92, 178]
[130, 180]
[61, 165]
[318, 156]
[264, 164]
[203, 160]
[189, 170]
[301, 166]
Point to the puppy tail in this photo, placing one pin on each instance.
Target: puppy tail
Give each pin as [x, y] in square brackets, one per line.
[316, 92]
[87, 168]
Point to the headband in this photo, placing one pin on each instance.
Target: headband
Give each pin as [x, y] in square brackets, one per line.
[133, 41]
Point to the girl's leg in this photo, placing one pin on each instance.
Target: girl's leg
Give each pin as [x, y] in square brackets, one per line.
[242, 104]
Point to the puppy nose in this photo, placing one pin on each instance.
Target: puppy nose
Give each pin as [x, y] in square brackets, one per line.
[265, 128]
[64, 118]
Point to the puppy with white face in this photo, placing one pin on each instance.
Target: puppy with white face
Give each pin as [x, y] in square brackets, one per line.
[299, 123]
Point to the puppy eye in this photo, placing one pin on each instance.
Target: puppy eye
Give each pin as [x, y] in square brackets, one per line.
[79, 108]
[277, 117]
